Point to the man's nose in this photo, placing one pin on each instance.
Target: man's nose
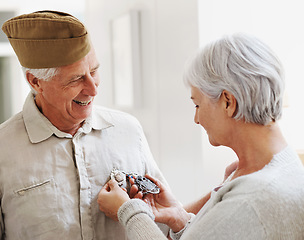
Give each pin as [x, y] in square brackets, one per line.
[91, 86]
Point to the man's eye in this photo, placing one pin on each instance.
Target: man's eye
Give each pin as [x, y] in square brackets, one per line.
[74, 81]
[196, 106]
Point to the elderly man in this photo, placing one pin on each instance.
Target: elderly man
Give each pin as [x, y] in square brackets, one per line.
[58, 152]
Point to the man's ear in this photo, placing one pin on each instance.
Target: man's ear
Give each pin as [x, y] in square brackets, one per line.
[34, 82]
[230, 103]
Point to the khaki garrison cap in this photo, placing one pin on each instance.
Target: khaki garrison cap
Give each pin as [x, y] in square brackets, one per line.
[47, 39]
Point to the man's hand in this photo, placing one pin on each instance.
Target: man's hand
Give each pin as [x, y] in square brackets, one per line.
[110, 198]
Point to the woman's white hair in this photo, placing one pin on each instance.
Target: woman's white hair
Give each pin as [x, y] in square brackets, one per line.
[44, 73]
[247, 68]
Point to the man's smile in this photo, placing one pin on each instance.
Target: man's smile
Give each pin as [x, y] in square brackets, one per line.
[83, 103]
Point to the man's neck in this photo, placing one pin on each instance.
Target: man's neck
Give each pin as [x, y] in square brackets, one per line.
[66, 127]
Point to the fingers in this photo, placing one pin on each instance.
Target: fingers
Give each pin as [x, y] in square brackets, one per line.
[108, 187]
[139, 195]
[133, 190]
[110, 198]
[112, 184]
[132, 180]
[156, 181]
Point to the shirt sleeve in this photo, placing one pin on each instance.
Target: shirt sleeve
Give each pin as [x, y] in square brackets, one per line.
[138, 220]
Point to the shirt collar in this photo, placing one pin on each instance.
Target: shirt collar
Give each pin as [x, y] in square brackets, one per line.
[39, 128]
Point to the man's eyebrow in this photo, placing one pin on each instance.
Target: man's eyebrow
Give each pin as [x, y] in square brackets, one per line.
[81, 75]
[95, 68]
[192, 98]
[76, 77]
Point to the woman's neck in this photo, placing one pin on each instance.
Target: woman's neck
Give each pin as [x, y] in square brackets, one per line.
[255, 146]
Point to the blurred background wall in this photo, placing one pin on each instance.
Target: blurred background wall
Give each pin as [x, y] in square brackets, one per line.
[156, 44]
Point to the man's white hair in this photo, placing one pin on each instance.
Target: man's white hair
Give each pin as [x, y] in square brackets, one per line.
[44, 74]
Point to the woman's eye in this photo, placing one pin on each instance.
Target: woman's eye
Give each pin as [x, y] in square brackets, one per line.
[196, 106]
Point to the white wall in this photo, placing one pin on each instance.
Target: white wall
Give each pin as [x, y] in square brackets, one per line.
[169, 35]
[75, 7]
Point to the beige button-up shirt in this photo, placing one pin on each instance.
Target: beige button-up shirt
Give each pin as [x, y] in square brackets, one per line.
[49, 180]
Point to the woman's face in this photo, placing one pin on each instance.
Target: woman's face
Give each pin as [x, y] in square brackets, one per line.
[210, 115]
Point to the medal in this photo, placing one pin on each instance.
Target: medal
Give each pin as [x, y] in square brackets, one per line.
[144, 184]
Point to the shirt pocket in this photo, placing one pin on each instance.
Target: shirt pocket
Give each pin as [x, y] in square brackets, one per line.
[36, 209]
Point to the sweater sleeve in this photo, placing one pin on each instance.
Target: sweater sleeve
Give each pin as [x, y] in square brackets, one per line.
[227, 221]
[138, 220]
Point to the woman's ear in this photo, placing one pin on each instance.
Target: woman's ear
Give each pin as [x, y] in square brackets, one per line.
[34, 82]
[230, 103]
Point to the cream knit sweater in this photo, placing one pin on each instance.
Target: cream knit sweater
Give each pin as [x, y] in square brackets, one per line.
[268, 204]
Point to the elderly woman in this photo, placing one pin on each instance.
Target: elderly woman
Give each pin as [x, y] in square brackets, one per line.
[237, 88]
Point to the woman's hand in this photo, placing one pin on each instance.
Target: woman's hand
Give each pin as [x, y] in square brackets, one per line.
[166, 208]
[110, 198]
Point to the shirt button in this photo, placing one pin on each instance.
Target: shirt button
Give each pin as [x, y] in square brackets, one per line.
[21, 193]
